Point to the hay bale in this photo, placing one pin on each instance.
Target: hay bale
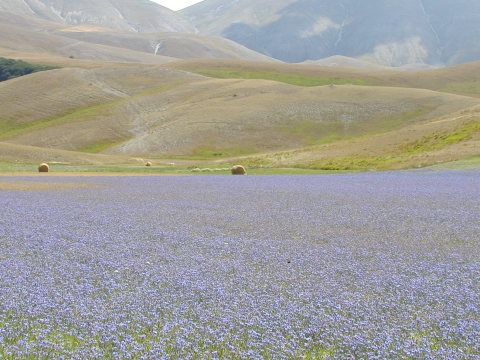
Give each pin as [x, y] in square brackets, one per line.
[238, 170]
[149, 163]
[43, 167]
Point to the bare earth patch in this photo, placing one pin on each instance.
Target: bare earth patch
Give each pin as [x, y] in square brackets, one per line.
[39, 186]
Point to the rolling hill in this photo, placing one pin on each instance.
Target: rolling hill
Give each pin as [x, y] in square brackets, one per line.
[144, 111]
[461, 79]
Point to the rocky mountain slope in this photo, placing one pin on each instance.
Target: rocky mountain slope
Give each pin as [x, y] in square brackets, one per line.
[385, 32]
[35, 35]
[410, 33]
[137, 16]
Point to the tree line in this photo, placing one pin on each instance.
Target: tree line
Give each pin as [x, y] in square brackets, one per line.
[10, 68]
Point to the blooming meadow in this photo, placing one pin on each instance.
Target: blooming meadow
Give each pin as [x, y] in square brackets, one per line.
[372, 265]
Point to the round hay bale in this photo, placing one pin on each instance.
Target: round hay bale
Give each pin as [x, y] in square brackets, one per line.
[149, 163]
[238, 170]
[43, 167]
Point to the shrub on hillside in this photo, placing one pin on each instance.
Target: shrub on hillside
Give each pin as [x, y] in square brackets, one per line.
[10, 68]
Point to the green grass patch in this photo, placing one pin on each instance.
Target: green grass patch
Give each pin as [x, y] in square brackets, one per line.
[412, 115]
[315, 133]
[469, 88]
[76, 168]
[158, 90]
[292, 171]
[17, 167]
[11, 128]
[318, 133]
[472, 162]
[403, 154]
[203, 153]
[319, 353]
[293, 79]
[126, 169]
[225, 170]
[439, 141]
[350, 163]
[100, 145]
[119, 168]
[384, 123]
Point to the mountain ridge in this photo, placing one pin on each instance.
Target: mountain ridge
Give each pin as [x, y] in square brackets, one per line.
[90, 42]
[384, 32]
[413, 34]
[137, 16]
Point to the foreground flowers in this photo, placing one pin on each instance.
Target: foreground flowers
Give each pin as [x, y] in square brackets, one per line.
[335, 266]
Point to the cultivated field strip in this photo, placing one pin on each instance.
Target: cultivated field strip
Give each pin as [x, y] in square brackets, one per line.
[373, 265]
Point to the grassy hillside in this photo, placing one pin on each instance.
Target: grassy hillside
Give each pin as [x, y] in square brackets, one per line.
[437, 142]
[14, 154]
[461, 79]
[150, 110]
[339, 118]
[297, 74]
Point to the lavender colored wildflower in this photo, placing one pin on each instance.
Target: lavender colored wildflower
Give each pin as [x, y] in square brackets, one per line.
[377, 265]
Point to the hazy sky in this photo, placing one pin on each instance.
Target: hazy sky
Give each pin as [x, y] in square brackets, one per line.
[176, 4]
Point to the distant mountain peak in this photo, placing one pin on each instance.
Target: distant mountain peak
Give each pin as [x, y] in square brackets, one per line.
[130, 15]
[384, 32]
[393, 33]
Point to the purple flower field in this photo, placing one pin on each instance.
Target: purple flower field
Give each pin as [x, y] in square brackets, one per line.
[372, 265]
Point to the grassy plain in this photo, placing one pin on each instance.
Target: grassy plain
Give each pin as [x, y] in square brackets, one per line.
[58, 169]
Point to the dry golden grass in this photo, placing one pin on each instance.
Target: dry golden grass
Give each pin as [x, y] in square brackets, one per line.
[215, 118]
[145, 110]
[14, 153]
[87, 42]
[65, 62]
[48, 43]
[164, 45]
[450, 138]
[461, 79]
